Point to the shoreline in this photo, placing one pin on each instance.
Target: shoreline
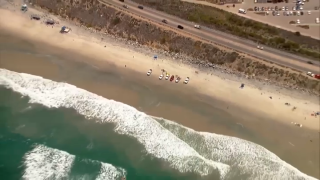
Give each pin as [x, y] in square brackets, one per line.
[188, 111]
[227, 91]
[117, 55]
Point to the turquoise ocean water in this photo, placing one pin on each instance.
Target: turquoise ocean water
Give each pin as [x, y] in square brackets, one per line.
[54, 130]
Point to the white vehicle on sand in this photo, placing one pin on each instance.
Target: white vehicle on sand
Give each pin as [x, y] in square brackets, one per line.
[178, 79]
[186, 81]
[167, 76]
[161, 76]
[149, 72]
[65, 29]
[197, 26]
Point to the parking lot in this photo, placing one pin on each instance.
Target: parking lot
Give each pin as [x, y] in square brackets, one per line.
[292, 16]
[281, 20]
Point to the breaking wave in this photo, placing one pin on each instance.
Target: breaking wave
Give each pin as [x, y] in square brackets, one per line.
[43, 162]
[184, 149]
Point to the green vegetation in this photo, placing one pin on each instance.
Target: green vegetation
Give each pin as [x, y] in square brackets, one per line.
[146, 33]
[231, 23]
[116, 21]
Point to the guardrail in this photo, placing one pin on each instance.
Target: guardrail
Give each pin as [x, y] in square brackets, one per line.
[192, 35]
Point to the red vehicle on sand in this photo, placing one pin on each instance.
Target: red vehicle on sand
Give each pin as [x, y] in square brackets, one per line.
[172, 78]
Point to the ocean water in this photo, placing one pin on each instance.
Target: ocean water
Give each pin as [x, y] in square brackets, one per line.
[54, 130]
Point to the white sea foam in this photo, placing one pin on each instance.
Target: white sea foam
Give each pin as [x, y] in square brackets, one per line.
[157, 141]
[244, 157]
[107, 171]
[47, 163]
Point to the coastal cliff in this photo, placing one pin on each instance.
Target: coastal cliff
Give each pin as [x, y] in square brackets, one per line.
[93, 14]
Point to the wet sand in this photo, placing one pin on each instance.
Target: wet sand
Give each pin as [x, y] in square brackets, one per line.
[185, 106]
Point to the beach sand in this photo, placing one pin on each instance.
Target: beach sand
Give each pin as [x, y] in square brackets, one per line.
[208, 103]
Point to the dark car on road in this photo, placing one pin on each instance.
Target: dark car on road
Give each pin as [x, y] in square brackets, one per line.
[140, 7]
[180, 27]
[165, 21]
[121, 0]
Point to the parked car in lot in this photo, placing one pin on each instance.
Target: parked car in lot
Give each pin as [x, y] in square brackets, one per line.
[140, 7]
[180, 27]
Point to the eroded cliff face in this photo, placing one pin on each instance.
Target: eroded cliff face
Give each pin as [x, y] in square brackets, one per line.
[104, 18]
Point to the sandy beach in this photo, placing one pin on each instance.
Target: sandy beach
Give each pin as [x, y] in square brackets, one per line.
[228, 91]
[258, 107]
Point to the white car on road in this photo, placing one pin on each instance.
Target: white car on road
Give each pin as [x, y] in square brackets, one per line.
[310, 74]
[260, 47]
[197, 26]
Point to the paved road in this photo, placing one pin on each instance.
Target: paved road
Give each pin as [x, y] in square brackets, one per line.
[242, 45]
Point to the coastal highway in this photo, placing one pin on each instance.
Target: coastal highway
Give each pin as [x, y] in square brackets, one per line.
[221, 38]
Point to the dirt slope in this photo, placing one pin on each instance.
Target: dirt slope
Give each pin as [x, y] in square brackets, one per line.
[107, 19]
